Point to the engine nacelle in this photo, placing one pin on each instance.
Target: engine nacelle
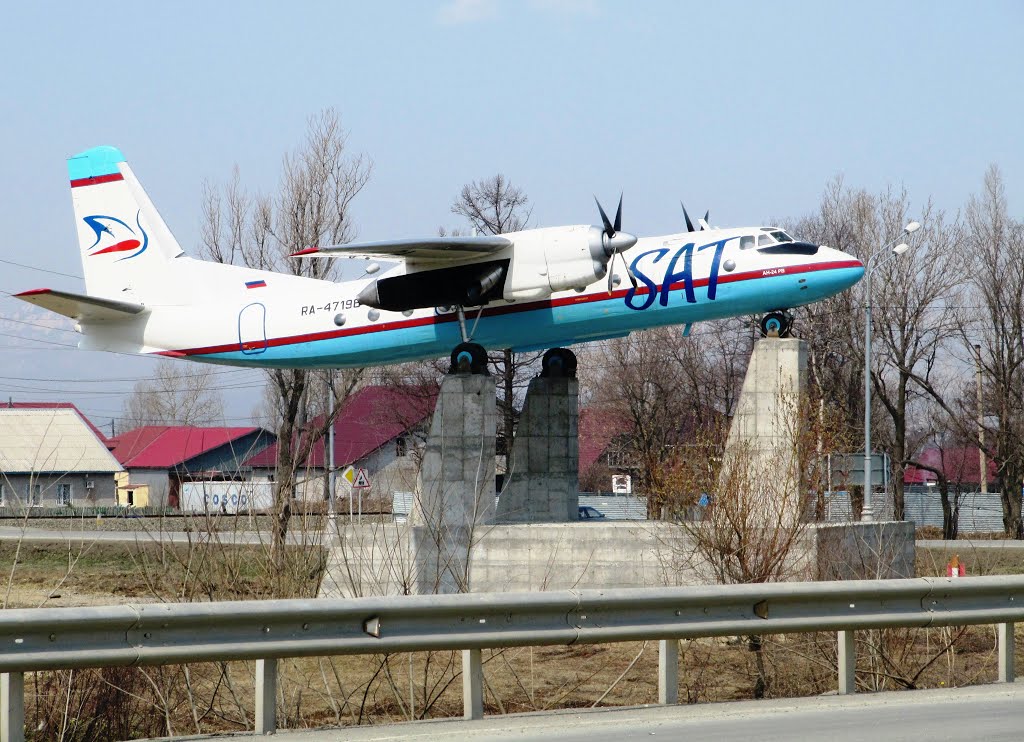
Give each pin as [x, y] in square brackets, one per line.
[555, 259]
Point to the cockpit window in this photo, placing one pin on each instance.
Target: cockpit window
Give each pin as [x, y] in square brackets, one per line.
[746, 242]
[764, 240]
[781, 236]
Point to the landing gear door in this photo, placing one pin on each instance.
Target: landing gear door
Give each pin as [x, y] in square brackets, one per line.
[252, 329]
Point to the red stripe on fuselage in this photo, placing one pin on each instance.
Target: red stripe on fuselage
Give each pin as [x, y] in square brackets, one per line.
[97, 180]
[508, 309]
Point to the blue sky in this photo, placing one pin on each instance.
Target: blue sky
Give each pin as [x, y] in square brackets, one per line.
[744, 108]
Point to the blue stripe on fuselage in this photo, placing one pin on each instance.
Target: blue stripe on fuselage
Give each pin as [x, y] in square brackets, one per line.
[551, 326]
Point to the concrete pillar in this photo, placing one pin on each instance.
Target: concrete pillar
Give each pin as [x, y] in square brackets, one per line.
[12, 706]
[1007, 673]
[542, 477]
[668, 671]
[266, 696]
[456, 488]
[761, 451]
[472, 684]
[847, 654]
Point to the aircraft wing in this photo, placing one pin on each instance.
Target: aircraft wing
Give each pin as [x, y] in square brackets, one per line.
[80, 306]
[442, 249]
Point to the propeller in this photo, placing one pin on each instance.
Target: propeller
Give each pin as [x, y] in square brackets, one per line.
[689, 224]
[703, 223]
[614, 241]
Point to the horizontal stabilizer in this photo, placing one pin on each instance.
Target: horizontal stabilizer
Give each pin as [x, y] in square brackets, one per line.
[425, 248]
[80, 306]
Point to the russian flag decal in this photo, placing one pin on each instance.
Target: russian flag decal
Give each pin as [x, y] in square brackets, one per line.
[261, 284]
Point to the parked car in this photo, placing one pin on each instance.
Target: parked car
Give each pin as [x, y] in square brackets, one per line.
[588, 513]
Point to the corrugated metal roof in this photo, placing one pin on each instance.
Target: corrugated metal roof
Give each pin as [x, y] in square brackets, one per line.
[58, 406]
[960, 464]
[163, 446]
[50, 440]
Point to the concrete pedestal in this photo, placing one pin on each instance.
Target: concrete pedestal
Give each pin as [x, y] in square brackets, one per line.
[455, 496]
[761, 462]
[542, 480]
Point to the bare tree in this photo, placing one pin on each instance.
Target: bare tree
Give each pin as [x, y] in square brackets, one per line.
[175, 394]
[916, 318]
[311, 207]
[495, 206]
[669, 392]
[996, 244]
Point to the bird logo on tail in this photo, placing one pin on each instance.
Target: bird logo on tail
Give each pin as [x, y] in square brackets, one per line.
[116, 236]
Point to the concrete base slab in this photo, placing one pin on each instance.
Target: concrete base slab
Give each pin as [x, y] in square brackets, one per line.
[392, 559]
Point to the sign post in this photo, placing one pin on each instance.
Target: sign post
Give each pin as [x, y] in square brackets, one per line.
[349, 475]
[360, 482]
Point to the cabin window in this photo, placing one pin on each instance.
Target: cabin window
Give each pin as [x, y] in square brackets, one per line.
[746, 242]
[764, 240]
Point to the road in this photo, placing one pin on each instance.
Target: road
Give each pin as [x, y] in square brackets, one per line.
[991, 712]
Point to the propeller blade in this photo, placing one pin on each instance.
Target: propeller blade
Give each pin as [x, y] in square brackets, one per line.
[608, 229]
[611, 272]
[689, 224]
[618, 216]
[629, 272]
[706, 215]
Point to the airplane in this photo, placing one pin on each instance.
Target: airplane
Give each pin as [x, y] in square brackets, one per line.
[537, 289]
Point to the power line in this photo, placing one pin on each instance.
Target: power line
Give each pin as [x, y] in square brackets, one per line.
[41, 270]
[38, 340]
[36, 324]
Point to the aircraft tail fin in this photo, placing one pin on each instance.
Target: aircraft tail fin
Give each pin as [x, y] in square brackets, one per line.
[124, 243]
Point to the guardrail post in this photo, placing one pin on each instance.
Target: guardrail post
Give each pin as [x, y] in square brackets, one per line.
[266, 696]
[472, 684]
[12, 706]
[668, 671]
[1007, 672]
[847, 652]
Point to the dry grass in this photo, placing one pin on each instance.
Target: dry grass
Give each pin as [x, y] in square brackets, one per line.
[215, 697]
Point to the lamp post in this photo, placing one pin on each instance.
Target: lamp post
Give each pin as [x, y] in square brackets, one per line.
[867, 513]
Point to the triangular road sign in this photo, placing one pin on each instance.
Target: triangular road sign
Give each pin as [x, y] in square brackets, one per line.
[361, 480]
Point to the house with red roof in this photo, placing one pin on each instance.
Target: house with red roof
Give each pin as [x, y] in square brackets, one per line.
[52, 456]
[604, 448]
[157, 459]
[379, 429]
[959, 464]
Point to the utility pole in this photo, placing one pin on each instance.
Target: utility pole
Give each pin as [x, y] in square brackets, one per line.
[331, 474]
[982, 458]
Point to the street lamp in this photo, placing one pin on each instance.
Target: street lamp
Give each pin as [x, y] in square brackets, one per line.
[866, 513]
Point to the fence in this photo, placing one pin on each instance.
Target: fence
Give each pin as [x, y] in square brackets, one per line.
[980, 512]
[266, 631]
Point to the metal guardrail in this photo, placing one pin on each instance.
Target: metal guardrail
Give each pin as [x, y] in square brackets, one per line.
[265, 631]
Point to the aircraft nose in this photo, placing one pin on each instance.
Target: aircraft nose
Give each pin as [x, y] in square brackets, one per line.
[847, 269]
